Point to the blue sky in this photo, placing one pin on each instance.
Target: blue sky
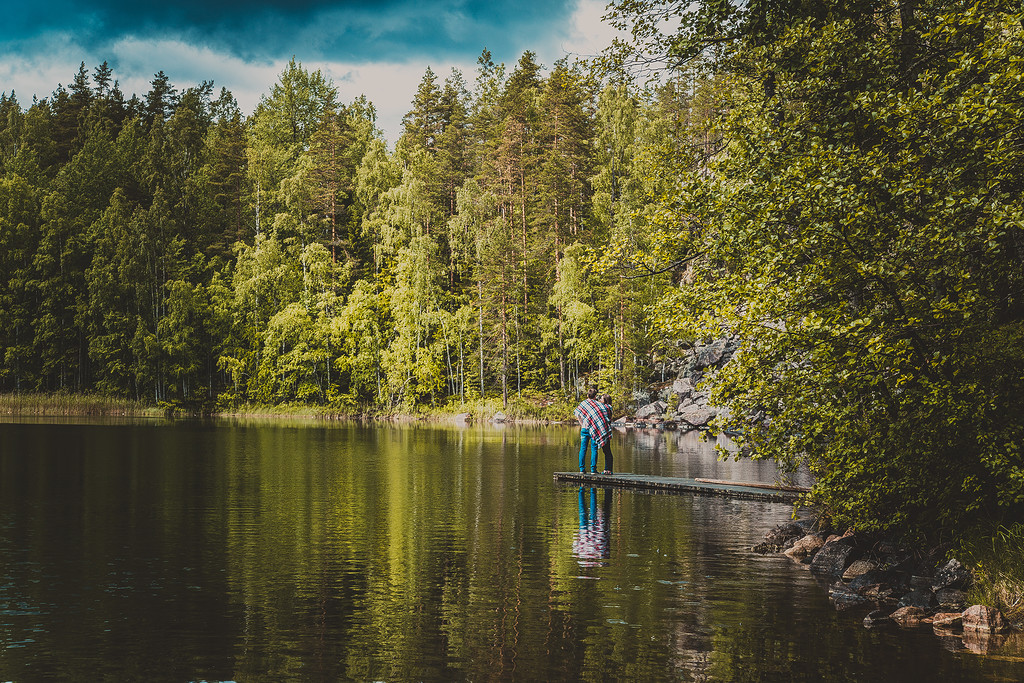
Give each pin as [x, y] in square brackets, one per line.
[379, 49]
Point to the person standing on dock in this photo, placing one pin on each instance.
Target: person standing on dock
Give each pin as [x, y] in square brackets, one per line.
[595, 428]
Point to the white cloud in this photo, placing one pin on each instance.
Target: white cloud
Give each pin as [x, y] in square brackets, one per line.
[187, 65]
[52, 59]
[391, 87]
[39, 71]
[587, 35]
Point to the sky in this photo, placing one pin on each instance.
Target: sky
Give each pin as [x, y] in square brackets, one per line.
[377, 48]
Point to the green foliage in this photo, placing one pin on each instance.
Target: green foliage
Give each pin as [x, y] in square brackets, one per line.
[861, 233]
[169, 248]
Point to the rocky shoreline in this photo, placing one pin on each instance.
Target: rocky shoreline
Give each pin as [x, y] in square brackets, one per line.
[679, 403]
[895, 586]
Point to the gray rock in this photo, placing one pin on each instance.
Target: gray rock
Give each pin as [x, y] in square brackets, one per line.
[951, 575]
[656, 409]
[709, 355]
[833, 558]
[462, 418]
[499, 417]
[857, 569]
[696, 416]
[682, 387]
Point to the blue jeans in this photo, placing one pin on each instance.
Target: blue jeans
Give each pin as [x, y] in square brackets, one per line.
[587, 440]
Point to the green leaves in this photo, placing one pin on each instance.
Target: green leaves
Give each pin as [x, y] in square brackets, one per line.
[862, 237]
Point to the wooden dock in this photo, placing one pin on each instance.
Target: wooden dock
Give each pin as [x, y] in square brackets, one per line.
[706, 487]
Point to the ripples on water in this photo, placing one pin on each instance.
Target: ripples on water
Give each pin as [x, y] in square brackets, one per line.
[285, 551]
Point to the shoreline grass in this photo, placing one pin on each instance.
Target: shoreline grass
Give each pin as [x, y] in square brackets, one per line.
[530, 408]
[65, 404]
[997, 561]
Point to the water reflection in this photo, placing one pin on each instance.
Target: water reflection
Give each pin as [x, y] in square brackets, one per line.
[672, 453]
[293, 552]
[591, 544]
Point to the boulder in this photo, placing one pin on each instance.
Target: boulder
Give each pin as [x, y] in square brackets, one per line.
[463, 418]
[775, 539]
[908, 617]
[682, 387]
[945, 620]
[919, 597]
[499, 417]
[651, 410]
[833, 558]
[984, 619]
[707, 356]
[805, 546]
[951, 575]
[696, 416]
[857, 569]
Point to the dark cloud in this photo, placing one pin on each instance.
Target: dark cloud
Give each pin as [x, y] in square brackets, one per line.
[264, 29]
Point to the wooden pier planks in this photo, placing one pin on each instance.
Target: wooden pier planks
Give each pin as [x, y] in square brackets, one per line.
[680, 485]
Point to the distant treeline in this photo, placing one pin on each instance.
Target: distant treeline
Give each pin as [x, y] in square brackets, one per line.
[170, 248]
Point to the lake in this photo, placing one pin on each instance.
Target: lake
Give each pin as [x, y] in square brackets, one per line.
[304, 551]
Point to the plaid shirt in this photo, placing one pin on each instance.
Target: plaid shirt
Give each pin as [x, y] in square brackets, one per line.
[592, 416]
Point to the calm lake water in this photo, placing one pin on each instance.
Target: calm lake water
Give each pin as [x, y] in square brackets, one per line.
[284, 551]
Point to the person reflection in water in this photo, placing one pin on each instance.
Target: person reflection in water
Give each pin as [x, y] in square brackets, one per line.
[591, 545]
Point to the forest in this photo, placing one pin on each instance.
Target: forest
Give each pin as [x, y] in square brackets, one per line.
[168, 247]
[836, 185]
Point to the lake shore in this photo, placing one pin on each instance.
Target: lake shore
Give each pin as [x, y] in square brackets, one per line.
[528, 410]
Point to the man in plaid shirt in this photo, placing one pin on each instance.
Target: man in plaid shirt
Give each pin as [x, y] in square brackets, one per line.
[595, 428]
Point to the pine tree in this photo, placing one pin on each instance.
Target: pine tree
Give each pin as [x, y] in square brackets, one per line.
[224, 175]
[160, 100]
